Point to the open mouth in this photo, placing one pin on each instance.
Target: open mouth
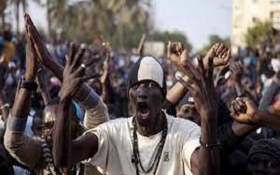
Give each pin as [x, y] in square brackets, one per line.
[143, 111]
[143, 108]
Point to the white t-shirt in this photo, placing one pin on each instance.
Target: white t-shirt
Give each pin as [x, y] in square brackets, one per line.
[115, 147]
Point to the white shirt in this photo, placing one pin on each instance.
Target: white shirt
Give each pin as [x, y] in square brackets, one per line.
[115, 147]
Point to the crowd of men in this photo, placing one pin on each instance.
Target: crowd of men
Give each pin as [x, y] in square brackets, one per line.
[72, 108]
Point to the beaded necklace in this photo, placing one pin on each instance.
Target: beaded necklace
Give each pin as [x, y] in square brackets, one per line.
[136, 155]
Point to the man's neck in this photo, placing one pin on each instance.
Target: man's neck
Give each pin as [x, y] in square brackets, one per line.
[152, 128]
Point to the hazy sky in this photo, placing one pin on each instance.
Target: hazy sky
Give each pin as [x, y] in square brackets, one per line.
[196, 18]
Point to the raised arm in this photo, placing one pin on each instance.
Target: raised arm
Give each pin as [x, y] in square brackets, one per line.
[67, 152]
[247, 112]
[3, 103]
[105, 78]
[85, 95]
[24, 149]
[177, 54]
[204, 160]
[42, 85]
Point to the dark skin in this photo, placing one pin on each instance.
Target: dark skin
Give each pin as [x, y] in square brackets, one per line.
[203, 161]
[263, 164]
[66, 155]
[42, 84]
[251, 115]
[22, 101]
[5, 109]
[149, 93]
[44, 57]
[220, 58]
[177, 54]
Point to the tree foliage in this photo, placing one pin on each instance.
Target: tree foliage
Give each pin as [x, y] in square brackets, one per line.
[166, 36]
[260, 32]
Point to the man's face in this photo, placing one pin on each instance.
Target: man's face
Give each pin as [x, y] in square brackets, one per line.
[189, 112]
[50, 114]
[146, 100]
[263, 164]
[37, 126]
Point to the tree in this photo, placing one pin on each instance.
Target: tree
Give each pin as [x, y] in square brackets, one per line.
[122, 22]
[171, 36]
[260, 32]
[213, 39]
[17, 4]
[3, 6]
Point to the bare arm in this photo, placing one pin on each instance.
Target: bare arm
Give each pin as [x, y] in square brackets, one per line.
[67, 152]
[51, 64]
[42, 85]
[268, 117]
[24, 149]
[3, 104]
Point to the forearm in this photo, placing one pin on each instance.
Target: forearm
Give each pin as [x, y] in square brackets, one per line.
[232, 134]
[268, 118]
[4, 107]
[177, 92]
[242, 130]
[24, 149]
[269, 94]
[105, 91]
[46, 96]
[21, 105]
[208, 158]
[239, 89]
[62, 135]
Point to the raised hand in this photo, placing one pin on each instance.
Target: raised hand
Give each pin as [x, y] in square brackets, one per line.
[244, 111]
[177, 54]
[41, 78]
[31, 57]
[74, 73]
[202, 88]
[220, 55]
[39, 45]
[236, 69]
[107, 52]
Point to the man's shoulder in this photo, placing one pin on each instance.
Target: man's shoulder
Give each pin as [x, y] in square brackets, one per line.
[179, 124]
[118, 123]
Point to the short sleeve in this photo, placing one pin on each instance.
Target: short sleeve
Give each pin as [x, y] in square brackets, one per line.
[191, 143]
[100, 159]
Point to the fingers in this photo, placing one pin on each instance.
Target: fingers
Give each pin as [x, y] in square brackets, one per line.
[186, 84]
[70, 58]
[174, 48]
[92, 61]
[77, 61]
[219, 48]
[193, 74]
[201, 65]
[227, 56]
[88, 77]
[168, 49]
[210, 69]
[248, 102]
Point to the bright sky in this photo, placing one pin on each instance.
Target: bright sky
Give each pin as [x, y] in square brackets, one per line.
[195, 18]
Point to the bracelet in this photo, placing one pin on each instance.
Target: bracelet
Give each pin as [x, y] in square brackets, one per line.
[209, 146]
[6, 105]
[29, 85]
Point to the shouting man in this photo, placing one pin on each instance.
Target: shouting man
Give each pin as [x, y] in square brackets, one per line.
[151, 141]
